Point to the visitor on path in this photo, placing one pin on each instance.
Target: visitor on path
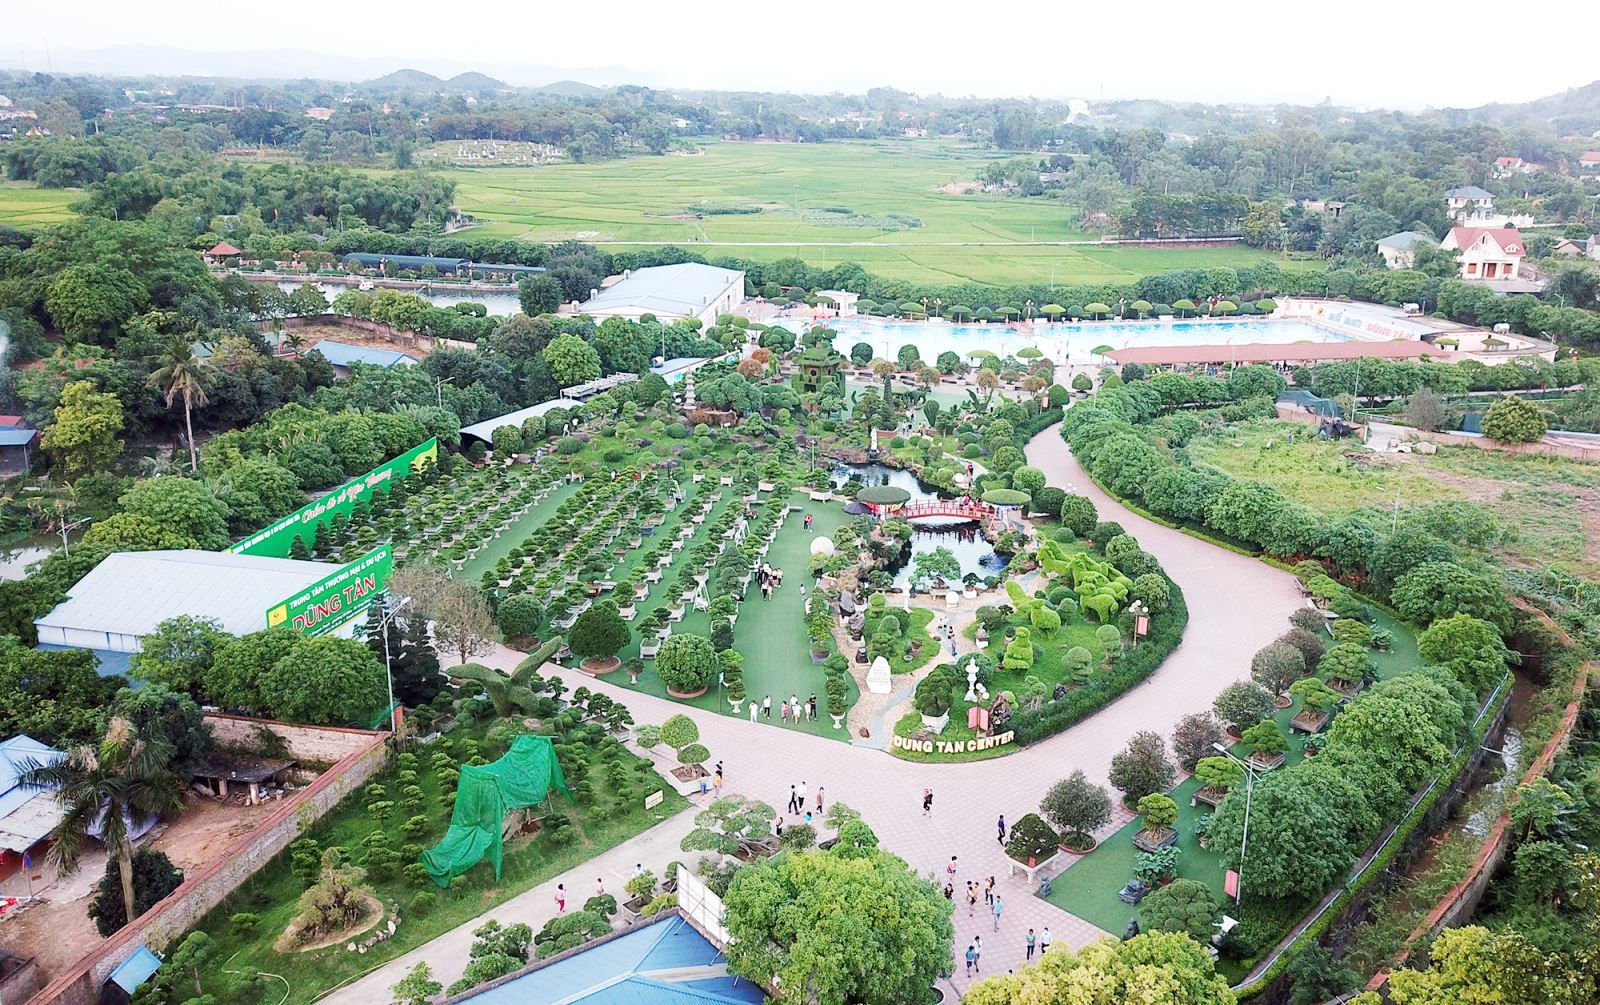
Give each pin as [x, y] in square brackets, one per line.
[802, 591]
[977, 945]
[753, 710]
[999, 905]
[1044, 941]
[949, 892]
[600, 886]
[783, 711]
[1029, 942]
[794, 704]
[1002, 825]
[988, 891]
[561, 898]
[972, 960]
[766, 706]
[808, 818]
[811, 713]
[638, 870]
[972, 898]
[777, 828]
[808, 521]
[794, 800]
[716, 784]
[819, 799]
[927, 802]
[950, 870]
[800, 801]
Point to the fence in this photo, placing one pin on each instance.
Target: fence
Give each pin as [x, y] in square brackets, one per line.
[702, 907]
[204, 889]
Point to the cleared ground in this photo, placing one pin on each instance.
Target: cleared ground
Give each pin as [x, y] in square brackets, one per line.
[1546, 509]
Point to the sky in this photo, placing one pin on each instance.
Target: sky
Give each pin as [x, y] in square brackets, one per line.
[1373, 53]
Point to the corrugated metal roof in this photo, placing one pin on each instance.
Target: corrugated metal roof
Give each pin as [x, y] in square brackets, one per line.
[31, 822]
[679, 946]
[130, 592]
[17, 437]
[135, 970]
[14, 754]
[485, 430]
[674, 290]
[343, 354]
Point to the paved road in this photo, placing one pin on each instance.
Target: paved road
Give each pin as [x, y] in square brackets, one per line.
[1236, 605]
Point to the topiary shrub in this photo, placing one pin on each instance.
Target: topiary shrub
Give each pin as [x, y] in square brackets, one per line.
[1032, 839]
[677, 732]
[687, 663]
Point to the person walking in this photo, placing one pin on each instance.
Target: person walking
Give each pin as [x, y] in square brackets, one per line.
[819, 799]
[561, 898]
[716, 784]
[949, 892]
[927, 802]
[950, 870]
[1002, 826]
[783, 711]
[766, 707]
[754, 708]
[999, 905]
[811, 707]
[1044, 941]
[1029, 942]
[802, 591]
[794, 706]
[972, 898]
[600, 886]
[794, 800]
[800, 797]
[988, 890]
[977, 947]
[972, 960]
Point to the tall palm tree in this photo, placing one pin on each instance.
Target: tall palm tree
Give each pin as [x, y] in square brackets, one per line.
[181, 374]
[127, 778]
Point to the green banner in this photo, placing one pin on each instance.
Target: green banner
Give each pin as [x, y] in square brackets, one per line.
[325, 605]
[276, 539]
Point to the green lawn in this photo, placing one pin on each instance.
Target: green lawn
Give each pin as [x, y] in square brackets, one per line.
[24, 205]
[874, 203]
[519, 531]
[1088, 888]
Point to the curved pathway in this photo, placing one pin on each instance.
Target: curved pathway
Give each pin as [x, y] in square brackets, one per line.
[1236, 605]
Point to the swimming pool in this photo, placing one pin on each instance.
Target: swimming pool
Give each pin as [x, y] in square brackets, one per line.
[1063, 343]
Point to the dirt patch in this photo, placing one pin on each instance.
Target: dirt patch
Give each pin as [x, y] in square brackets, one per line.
[206, 831]
[959, 187]
[351, 336]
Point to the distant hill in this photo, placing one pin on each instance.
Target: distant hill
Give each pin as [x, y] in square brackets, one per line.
[473, 81]
[571, 89]
[1572, 111]
[405, 80]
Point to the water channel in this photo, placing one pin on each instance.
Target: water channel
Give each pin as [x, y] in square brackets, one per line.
[499, 305]
[18, 554]
[960, 537]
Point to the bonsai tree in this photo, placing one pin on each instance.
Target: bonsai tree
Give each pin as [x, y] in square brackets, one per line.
[1184, 905]
[1078, 808]
[1347, 661]
[1276, 666]
[687, 664]
[1219, 774]
[729, 824]
[1032, 838]
[1195, 737]
[518, 616]
[1142, 767]
[635, 666]
[1242, 704]
[1349, 630]
[1266, 738]
[1309, 643]
[733, 675]
[598, 633]
[1159, 812]
[837, 692]
[677, 732]
[933, 696]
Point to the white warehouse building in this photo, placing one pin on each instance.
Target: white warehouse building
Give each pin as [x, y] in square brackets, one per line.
[670, 292]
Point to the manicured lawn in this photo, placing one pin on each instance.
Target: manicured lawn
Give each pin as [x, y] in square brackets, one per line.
[501, 546]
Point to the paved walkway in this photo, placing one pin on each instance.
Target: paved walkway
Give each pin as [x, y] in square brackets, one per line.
[1236, 605]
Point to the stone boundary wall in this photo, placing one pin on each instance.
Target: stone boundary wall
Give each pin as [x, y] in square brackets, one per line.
[204, 889]
[318, 744]
[415, 340]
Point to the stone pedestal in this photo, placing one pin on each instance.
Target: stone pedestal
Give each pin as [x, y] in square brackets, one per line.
[879, 679]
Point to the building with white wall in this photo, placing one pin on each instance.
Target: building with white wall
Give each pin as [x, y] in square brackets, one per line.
[1399, 251]
[1487, 253]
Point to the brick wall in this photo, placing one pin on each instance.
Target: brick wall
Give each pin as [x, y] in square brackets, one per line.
[365, 754]
[319, 744]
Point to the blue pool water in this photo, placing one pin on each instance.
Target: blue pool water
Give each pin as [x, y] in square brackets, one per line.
[1064, 343]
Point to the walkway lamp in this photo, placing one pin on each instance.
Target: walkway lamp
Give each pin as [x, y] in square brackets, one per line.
[1249, 789]
[389, 608]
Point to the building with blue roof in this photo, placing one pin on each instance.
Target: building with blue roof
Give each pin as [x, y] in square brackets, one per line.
[342, 355]
[16, 445]
[663, 962]
[444, 266]
[27, 814]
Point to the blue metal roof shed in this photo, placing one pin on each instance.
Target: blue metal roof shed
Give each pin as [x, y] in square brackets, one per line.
[135, 970]
[344, 354]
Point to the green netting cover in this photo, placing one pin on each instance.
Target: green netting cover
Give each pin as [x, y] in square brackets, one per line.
[484, 795]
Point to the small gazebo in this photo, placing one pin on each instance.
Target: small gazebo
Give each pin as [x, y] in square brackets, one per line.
[882, 500]
[222, 253]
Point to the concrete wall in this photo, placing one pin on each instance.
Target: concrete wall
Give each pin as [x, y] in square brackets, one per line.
[319, 744]
[414, 340]
[160, 928]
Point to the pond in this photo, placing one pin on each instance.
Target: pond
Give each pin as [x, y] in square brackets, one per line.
[18, 554]
[960, 537]
[497, 304]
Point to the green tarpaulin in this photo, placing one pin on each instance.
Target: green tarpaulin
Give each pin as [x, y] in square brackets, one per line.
[485, 794]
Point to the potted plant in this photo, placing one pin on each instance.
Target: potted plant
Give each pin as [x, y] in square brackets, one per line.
[1217, 775]
[837, 691]
[933, 698]
[1077, 808]
[1317, 701]
[1267, 744]
[641, 889]
[649, 636]
[1032, 841]
[1157, 867]
[733, 677]
[1159, 813]
[597, 635]
[688, 665]
[634, 665]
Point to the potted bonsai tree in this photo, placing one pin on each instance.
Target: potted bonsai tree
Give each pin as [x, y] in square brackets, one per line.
[733, 677]
[1077, 808]
[933, 698]
[641, 889]
[1317, 701]
[1267, 744]
[635, 666]
[1217, 776]
[649, 635]
[1032, 842]
[837, 691]
[1159, 813]
[688, 665]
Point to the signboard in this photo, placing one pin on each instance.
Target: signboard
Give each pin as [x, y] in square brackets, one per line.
[275, 539]
[954, 746]
[654, 799]
[1142, 626]
[1230, 883]
[329, 603]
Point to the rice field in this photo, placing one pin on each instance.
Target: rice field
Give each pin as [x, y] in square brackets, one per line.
[24, 205]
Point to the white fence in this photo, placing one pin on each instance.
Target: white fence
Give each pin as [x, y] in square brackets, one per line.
[701, 906]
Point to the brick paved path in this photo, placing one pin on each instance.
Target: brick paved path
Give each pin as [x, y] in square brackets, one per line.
[1236, 605]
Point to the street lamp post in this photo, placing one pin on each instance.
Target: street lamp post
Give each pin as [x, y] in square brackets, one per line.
[389, 609]
[1244, 838]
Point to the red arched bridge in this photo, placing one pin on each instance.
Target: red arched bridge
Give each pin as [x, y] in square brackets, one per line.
[953, 509]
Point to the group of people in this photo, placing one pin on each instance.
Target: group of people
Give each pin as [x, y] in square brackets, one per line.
[793, 709]
[769, 579]
[995, 903]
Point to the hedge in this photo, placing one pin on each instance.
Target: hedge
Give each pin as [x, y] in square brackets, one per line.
[1135, 667]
